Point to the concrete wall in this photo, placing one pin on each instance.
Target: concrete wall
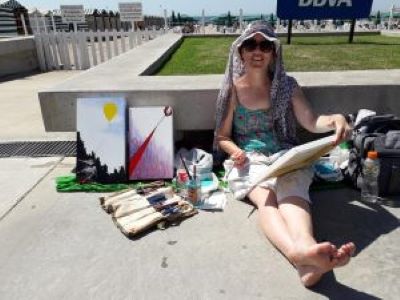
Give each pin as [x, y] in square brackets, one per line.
[391, 33]
[17, 55]
[193, 97]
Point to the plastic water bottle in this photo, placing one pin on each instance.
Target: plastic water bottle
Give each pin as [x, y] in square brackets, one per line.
[369, 187]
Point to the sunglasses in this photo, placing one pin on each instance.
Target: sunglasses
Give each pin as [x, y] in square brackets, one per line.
[251, 45]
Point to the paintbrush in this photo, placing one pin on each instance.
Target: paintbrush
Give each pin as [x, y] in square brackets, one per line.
[185, 166]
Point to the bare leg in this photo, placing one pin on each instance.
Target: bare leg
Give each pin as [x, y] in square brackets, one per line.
[294, 238]
[277, 231]
[312, 259]
[271, 221]
[296, 213]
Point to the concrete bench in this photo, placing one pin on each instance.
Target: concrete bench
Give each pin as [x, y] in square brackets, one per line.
[193, 97]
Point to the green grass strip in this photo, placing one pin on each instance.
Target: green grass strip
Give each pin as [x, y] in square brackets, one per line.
[208, 55]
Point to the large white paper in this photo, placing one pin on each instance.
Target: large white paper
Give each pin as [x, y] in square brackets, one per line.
[297, 158]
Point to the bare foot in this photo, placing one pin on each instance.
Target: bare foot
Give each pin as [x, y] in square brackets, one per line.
[322, 258]
[318, 255]
[314, 261]
[344, 253]
[309, 275]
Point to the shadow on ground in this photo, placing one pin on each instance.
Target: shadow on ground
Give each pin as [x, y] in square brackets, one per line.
[340, 217]
[341, 220]
[334, 290]
[19, 76]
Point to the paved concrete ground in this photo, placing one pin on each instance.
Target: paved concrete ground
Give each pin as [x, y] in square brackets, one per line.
[64, 246]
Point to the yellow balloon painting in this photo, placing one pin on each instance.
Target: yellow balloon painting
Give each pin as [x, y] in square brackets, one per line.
[110, 111]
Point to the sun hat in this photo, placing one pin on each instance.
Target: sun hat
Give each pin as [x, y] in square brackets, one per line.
[259, 28]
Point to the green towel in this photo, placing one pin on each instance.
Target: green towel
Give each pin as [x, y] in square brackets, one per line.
[69, 184]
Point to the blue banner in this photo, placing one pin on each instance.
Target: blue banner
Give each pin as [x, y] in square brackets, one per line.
[323, 9]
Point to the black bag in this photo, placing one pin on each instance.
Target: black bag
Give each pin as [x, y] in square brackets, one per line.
[381, 134]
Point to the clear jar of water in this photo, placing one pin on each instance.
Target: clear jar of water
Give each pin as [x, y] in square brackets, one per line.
[193, 190]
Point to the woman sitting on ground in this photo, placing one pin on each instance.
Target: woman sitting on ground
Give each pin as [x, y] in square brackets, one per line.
[257, 109]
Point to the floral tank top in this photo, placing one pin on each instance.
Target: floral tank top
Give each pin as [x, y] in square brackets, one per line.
[252, 130]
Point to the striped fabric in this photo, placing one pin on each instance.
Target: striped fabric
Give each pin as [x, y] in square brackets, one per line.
[8, 24]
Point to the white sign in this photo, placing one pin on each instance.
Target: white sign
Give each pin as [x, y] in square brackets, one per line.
[72, 14]
[130, 11]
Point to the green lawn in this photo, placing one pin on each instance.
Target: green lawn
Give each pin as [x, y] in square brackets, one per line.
[208, 55]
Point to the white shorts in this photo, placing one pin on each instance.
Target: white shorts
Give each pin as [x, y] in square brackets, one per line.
[240, 180]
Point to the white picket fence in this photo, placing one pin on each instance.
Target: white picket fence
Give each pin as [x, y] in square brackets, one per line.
[83, 50]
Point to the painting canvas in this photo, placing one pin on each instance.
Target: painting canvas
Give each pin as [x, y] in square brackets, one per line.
[150, 140]
[101, 140]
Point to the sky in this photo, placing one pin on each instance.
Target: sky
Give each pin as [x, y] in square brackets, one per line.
[189, 7]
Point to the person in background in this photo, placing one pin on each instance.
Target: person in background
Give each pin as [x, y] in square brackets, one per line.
[257, 110]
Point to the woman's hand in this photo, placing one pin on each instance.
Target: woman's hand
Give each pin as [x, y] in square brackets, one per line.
[238, 157]
[342, 128]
